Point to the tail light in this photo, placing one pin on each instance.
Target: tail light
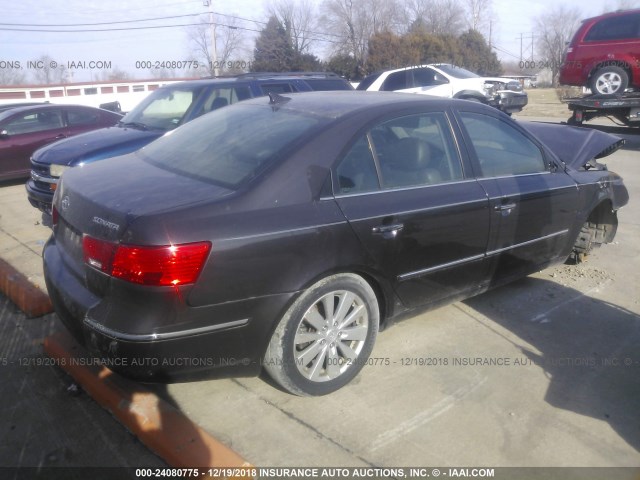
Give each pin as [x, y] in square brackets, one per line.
[54, 216]
[156, 266]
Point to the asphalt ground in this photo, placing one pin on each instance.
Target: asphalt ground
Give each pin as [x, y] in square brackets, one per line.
[541, 372]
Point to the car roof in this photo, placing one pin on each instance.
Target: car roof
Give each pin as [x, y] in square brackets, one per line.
[335, 104]
[10, 111]
[247, 78]
[617, 13]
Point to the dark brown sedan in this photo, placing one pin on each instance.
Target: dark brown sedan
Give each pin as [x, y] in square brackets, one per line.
[282, 233]
[24, 129]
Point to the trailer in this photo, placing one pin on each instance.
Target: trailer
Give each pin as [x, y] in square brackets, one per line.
[623, 107]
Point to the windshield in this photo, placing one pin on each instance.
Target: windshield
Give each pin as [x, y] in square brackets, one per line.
[457, 72]
[231, 145]
[164, 108]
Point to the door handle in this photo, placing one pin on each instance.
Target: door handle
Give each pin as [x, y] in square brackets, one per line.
[505, 206]
[388, 231]
[58, 137]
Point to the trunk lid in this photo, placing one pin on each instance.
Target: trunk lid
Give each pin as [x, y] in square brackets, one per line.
[103, 199]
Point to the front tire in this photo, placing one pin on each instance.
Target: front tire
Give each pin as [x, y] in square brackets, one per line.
[609, 80]
[325, 337]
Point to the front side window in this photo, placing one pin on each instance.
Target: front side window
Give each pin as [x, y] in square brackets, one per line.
[426, 77]
[34, 122]
[221, 97]
[501, 149]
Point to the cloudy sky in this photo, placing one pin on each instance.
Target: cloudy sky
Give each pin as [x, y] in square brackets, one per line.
[19, 42]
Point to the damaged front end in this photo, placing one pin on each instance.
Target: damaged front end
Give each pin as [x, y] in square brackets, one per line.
[602, 192]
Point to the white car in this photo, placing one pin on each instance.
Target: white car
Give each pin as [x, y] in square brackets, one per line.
[446, 80]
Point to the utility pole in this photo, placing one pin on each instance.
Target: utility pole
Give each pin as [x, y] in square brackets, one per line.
[214, 50]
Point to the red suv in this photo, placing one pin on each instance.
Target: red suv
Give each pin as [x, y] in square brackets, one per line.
[604, 54]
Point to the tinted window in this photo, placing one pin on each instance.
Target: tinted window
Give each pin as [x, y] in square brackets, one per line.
[230, 145]
[626, 26]
[501, 148]
[423, 77]
[416, 150]
[327, 84]
[396, 81]
[357, 170]
[368, 81]
[276, 88]
[221, 97]
[78, 117]
[34, 122]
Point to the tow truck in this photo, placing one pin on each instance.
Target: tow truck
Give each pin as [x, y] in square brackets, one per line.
[623, 108]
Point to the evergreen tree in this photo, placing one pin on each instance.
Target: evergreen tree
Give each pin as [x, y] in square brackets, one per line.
[477, 56]
[273, 51]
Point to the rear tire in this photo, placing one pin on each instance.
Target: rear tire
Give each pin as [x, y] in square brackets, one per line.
[609, 80]
[325, 337]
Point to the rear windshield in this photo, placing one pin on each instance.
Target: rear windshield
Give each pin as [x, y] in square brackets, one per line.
[230, 146]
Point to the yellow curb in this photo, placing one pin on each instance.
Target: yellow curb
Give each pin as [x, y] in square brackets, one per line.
[161, 427]
[27, 296]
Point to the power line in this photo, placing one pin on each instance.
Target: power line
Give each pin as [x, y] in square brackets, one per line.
[98, 23]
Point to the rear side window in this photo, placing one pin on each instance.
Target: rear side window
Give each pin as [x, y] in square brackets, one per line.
[368, 81]
[79, 118]
[408, 151]
[268, 88]
[501, 149]
[326, 84]
[396, 81]
[231, 145]
[615, 28]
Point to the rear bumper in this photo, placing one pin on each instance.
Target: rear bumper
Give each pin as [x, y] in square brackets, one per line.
[231, 342]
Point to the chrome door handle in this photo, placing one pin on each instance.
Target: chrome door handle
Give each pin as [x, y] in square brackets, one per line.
[505, 206]
[388, 231]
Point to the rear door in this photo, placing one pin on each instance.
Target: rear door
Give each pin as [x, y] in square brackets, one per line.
[532, 204]
[402, 187]
[25, 132]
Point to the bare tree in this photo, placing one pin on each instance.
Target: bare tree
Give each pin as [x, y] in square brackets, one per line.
[300, 20]
[357, 20]
[9, 76]
[47, 75]
[479, 13]
[437, 17]
[229, 40]
[555, 28]
[621, 5]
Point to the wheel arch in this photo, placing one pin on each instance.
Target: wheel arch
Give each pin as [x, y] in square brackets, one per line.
[624, 64]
